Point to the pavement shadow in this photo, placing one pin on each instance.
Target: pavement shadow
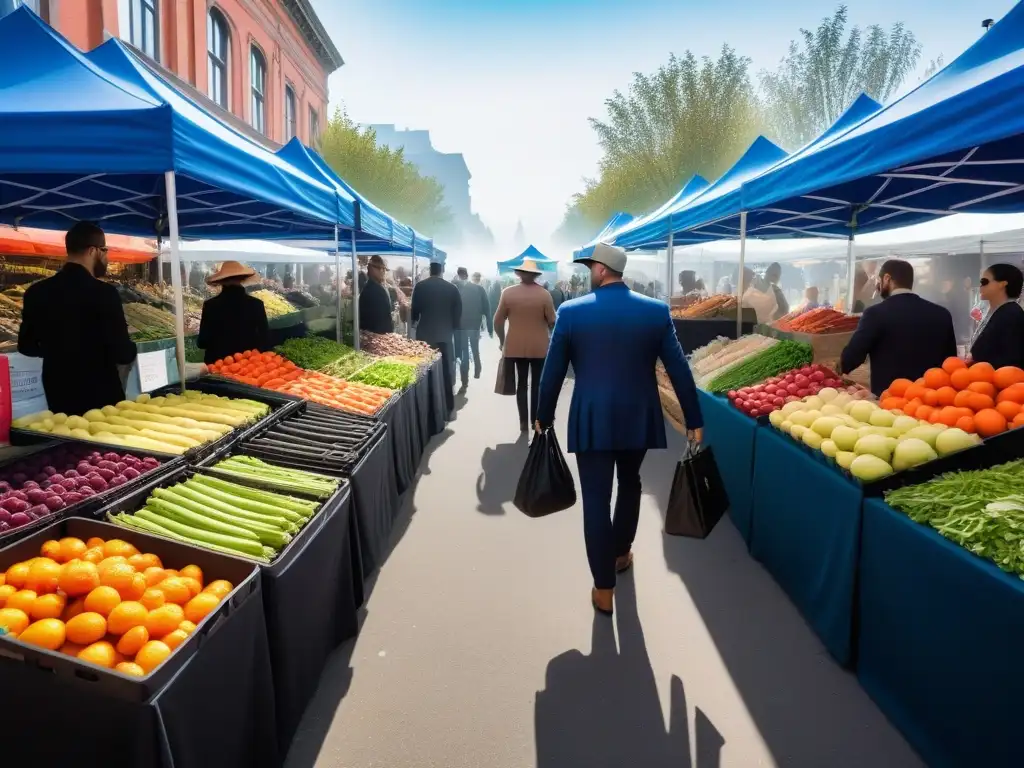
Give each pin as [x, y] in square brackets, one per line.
[499, 474]
[335, 680]
[798, 697]
[603, 710]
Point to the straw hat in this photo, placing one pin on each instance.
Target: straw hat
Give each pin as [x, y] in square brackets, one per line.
[231, 269]
[529, 266]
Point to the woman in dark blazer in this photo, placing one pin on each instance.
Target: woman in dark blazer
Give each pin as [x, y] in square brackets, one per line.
[999, 340]
[233, 321]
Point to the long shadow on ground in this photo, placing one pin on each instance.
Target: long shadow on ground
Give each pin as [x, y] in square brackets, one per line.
[603, 709]
[499, 475]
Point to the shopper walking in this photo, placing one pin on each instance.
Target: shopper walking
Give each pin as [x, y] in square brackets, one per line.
[76, 324]
[436, 313]
[475, 310]
[530, 314]
[613, 338]
[232, 321]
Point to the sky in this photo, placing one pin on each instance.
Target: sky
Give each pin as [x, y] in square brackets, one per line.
[511, 83]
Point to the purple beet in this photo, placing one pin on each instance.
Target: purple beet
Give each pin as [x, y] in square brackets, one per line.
[20, 519]
[111, 457]
[112, 466]
[120, 467]
[29, 485]
[54, 503]
[49, 470]
[70, 473]
[14, 505]
[37, 496]
[73, 497]
[84, 467]
[4, 486]
[5, 516]
[150, 463]
[106, 474]
[130, 473]
[98, 484]
[70, 483]
[20, 495]
[118, 480]
[4, 527]
[41, 478]
[86, 491]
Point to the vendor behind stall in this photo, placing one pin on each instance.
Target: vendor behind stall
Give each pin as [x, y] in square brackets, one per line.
[375, 305]
[75, 323]
[999, 339]
[233, 321]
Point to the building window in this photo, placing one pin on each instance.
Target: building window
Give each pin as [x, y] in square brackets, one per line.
[144, 27]
[218, 47]
[314, 128]
[289, 113]
[258, 81]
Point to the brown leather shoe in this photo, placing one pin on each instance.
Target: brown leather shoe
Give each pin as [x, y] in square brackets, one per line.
[602, 600]
[624, 563]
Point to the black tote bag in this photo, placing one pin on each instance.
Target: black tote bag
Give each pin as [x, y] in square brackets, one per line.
[698, 498]
[546, 484]
[505, 381]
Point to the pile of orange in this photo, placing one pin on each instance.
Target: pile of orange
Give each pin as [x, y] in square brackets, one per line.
[105, 603]
[976, 398]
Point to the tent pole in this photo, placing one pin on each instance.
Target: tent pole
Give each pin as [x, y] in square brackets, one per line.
[739, 279]
[340, 337]
[670, 285]
[851, 266]
[179, 304]
[409, 324]
[355, 294]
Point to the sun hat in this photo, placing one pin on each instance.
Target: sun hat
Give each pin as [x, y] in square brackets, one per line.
[529, 267]
[230, 269]
[611, 256]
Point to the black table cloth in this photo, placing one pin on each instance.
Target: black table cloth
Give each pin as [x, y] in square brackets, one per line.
[375, 503]
[401, 421]
[439, 409]
[218, 710]
[424, 404]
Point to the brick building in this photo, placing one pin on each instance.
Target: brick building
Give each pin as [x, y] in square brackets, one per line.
[262, 65]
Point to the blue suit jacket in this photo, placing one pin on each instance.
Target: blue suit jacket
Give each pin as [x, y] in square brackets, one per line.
[613, 337]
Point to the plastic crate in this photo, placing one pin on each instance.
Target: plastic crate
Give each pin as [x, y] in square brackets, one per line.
[173, 554]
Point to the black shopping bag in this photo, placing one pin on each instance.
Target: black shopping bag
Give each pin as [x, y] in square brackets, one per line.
[545, 485]
[505, 382]
[698, 498]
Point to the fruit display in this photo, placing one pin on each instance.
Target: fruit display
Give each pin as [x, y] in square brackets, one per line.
[817, 320]
[320, 438]
[271, 371]
[386, 374]
[105, 603]
[774, 392]
[273, 477]
[171, 424]
[784, 356]
[275, 304]
[222, 516]
[864, 438]
[390, 344]
[709, 307]
[315, 353]
[974, 398]
[47, 482]
[721, 355]
[981, 510]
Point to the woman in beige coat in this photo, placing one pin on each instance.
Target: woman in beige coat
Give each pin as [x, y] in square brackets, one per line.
[530, 314]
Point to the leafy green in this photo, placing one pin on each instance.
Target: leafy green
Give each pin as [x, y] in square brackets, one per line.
[386, 374]
[784, 356]
[314, 353]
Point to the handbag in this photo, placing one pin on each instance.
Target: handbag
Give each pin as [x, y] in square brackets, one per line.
[505, 382]
[698, 498]
[545, 484]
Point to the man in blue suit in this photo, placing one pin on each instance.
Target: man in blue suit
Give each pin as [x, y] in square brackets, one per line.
[613, 337]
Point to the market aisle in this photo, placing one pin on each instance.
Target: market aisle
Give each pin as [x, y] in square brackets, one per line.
[480, 649]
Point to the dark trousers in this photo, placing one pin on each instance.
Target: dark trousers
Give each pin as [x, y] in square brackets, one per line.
[608, 538]
[448, 365]
[464, 342]
[527, 375]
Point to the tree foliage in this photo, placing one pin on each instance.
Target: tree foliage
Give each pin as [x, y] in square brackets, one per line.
[383, 175]
[827, 68]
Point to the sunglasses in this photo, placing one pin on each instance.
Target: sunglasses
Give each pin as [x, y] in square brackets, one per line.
[984, 281]
[101, 248]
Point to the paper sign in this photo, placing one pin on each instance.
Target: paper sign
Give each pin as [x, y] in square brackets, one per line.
[152, 370]
[27, 395]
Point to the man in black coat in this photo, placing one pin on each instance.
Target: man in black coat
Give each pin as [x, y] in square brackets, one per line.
[436, 313]
[75, 323]
[476, 309]
[375, 305]
[904, 335]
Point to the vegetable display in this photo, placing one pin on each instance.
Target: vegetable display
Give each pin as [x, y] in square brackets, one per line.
[817, 320]
[105, 603]
[389, 344]
[315, 353]
[981, 510]
[780, 357]
[223, 516]
[58, 478]
[320, 438]
[775, 391]
[170, 424]
[148, 323]
[709, 307]
[726, 356]
[386, 374]
[868, 441]
[975, 399]
[277, 478]
[276, 306]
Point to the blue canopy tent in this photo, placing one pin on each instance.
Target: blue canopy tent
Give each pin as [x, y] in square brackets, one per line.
[606, 235]
[955, 144]
[543, 262]
[653, 230]
[103, 138]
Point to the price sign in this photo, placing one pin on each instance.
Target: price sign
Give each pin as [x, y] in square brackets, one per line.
[152, 370]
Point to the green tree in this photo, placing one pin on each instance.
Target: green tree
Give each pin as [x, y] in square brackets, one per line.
[383, 175]
[826, 68]
[692, 116]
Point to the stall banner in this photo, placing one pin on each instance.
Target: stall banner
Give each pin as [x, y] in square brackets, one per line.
[22, 384]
